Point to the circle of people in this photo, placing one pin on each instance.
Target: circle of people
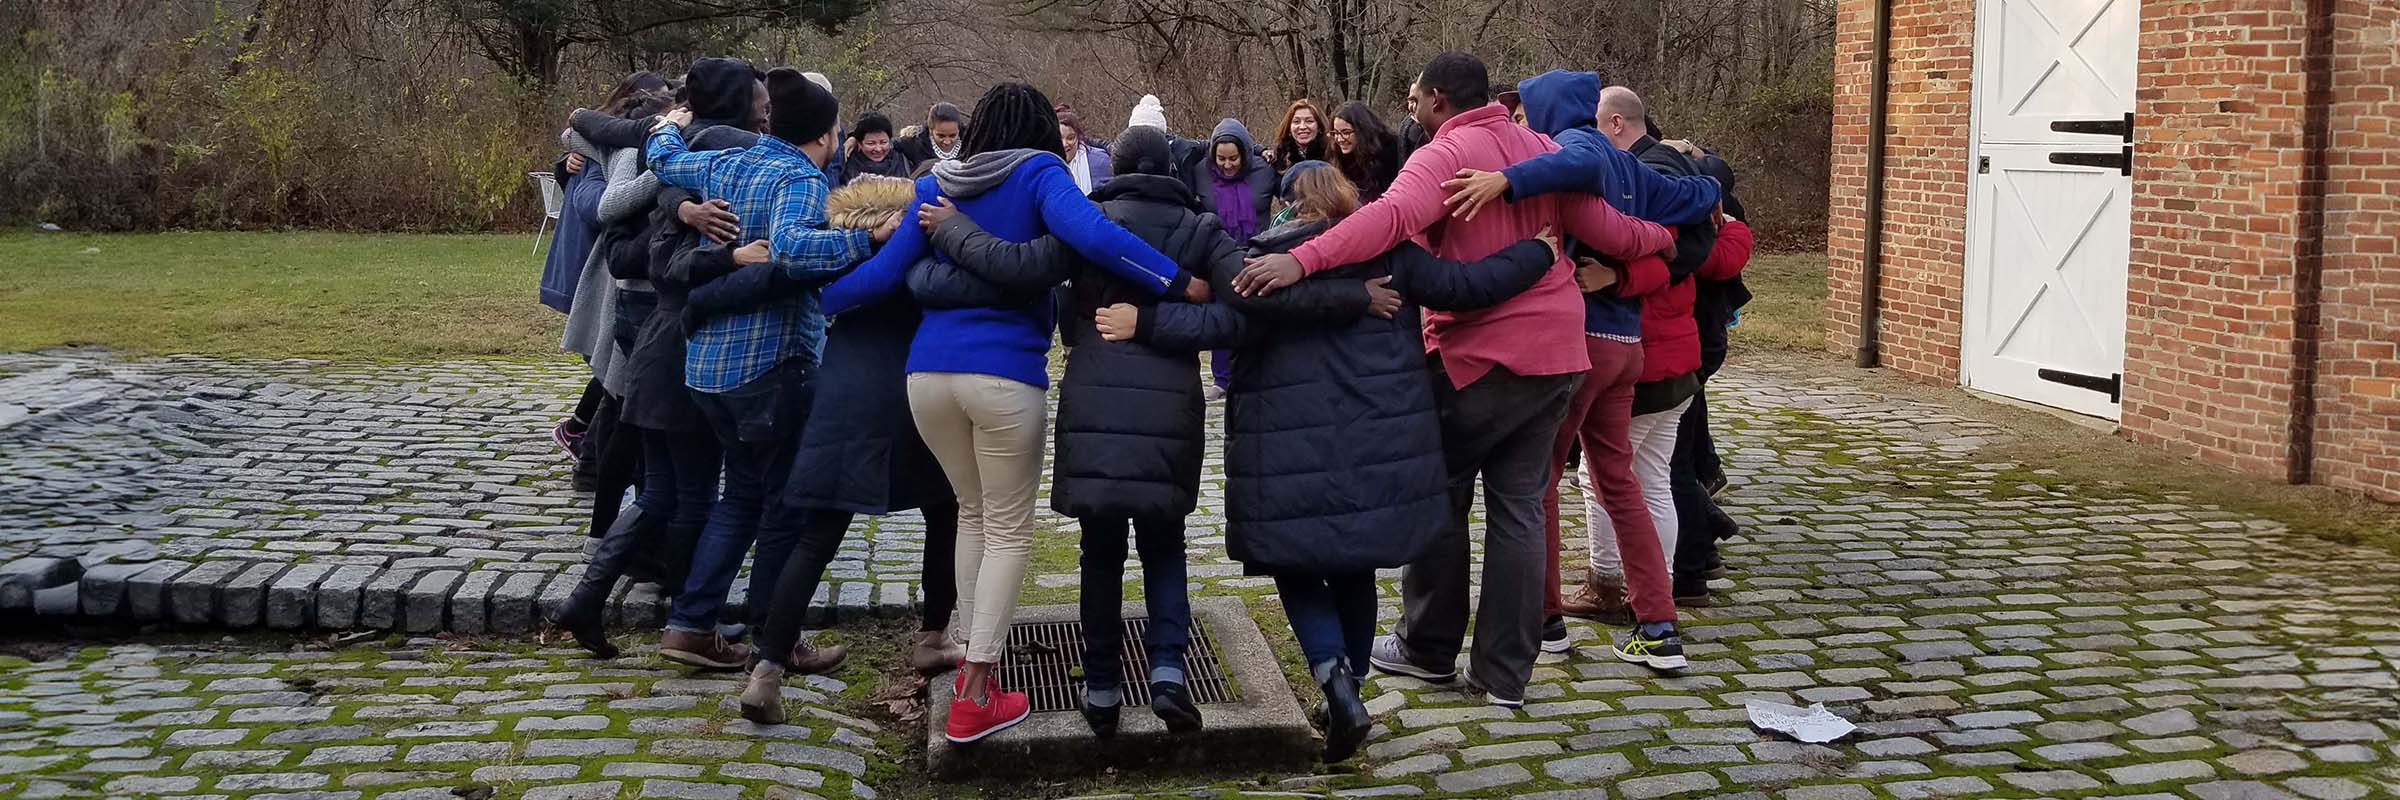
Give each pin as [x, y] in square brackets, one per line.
[791, 325]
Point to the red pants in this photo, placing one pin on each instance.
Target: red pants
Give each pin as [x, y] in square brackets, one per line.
[1600, 416]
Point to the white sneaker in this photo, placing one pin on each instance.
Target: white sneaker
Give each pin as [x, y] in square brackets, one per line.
[1555, 638]
[1493, 699]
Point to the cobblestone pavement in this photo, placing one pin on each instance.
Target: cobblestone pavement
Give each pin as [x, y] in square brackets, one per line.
[299, 493]
[1995, 630]
[415, 721]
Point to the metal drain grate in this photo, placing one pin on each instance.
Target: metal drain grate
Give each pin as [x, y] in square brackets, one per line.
[1045, 660]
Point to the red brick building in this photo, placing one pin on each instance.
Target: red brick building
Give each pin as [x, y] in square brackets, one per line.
[2180, 215]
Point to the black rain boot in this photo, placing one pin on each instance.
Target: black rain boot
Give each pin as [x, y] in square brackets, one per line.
[1103, 719]
[584, 616]
[1172, 702]
[1346, 718]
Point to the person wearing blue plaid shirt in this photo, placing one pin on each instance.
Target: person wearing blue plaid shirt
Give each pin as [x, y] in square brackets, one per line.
[750, 371]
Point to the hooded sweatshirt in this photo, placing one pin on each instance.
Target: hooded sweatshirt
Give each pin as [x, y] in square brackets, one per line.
[1560, 104]
[1241, 201]
[1016, 195]
[1535, 332]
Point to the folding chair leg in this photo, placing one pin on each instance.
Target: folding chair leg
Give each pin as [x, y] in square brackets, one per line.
[538, 233]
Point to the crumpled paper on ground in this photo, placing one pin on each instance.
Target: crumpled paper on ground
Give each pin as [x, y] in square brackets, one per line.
[1813, 724]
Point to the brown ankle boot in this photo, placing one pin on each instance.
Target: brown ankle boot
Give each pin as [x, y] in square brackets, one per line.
[1602, 598]
[932, 653]
[702, 650]
[762, 697]
[808, 659]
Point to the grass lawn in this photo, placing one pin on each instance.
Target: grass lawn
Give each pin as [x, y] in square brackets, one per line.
[371, 296]
[1787, 310]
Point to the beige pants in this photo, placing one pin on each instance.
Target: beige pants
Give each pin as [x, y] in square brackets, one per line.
[987, 433]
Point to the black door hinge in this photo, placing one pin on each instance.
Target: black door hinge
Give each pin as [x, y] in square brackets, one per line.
[2113, 385]
[2097, 127]
[2121, 161]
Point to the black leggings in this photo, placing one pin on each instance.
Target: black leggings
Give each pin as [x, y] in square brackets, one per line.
[619, 462]
[819, 539]
[588, 407]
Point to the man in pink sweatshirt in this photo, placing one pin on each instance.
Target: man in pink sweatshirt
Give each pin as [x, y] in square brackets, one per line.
[1503, 374]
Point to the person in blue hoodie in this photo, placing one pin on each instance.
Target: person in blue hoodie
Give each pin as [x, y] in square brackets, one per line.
[977, 376]
[1564, 105]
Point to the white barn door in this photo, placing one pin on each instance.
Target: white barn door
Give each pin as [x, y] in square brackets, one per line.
[2049, 204]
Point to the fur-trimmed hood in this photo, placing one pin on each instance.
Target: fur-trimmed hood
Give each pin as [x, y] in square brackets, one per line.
[869, 202]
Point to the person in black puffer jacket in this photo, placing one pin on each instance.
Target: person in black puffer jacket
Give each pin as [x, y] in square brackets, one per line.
[1333, 456]
[1132, 423]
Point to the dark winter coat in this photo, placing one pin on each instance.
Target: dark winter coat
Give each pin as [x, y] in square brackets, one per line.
[895, 164]
[679, 259]
[1719, 298]
[860, 451]
[1333, 455]
[1132, 422]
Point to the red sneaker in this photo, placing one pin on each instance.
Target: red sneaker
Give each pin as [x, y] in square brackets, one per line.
[1002, 710]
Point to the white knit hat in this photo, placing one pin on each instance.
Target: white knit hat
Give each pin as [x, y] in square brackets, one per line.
[1148, 112]
[819, 79]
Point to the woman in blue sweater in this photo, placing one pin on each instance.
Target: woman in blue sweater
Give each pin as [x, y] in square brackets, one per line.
[977, 376]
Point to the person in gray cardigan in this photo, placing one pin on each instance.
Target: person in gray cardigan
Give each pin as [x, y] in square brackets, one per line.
[594, 328]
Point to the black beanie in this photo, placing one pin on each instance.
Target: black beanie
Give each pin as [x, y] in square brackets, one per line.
[798, 110]
[1142, 150]
[1714, 166]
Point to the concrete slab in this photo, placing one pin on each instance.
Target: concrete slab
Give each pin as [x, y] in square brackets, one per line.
[1264, 729]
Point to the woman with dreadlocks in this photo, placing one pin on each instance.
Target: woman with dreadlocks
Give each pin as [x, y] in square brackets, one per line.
[977, 376]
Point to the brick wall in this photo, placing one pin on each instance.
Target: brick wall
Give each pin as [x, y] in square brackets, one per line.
[2210, 333]
[1925, 182]
[2357, 430]
[2226, 215]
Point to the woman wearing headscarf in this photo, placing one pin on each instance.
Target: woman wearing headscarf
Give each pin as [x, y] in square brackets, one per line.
[1239, 187]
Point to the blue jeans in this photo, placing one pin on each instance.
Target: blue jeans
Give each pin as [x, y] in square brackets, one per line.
[1332, 614]
[1220, 367]
[1164, 592]
[758, 426]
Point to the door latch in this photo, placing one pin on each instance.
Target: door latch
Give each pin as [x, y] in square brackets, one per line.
[1983, 165]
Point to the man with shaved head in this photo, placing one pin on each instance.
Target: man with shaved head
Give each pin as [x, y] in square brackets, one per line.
[1624, 118]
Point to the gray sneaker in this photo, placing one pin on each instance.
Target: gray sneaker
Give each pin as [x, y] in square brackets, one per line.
[1388, 657]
